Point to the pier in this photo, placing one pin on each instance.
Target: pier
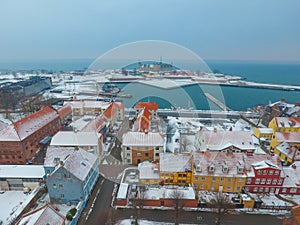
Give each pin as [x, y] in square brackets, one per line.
[217, 102]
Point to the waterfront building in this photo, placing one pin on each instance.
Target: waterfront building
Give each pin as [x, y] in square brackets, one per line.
[20, 140]
[175, 169]
[219, 171]
[71, 179]
[42, 215]
[139, 147]
[224, 141]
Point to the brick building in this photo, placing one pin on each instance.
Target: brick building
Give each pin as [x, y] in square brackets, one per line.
[19, 141]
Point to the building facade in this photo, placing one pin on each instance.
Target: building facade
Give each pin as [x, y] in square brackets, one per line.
[19, 141]
[73, 178]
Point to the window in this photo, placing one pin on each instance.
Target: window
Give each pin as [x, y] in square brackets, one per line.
[62, 195]
[202, 186]
[213, 179]
[54, 186]
[263, 181]
[283, 190]
[146, 154]
[269, 181]
[257, 181]
[267, 189]
[128, 154]
[240, 180]
[261, 189]
[255, 189]
[276, 172]
[271, 172]
[212, 187]
[196, 178]
[156, 148]
[229, 179]
[228, 187]
[248, 181]
[279, 182]
[259, 172]
[222, 179]
[138, 154]
[293, 190]
[157, 154]
[127, 148]
[265, 172]
[238, 188]
[60, 186]
[203, 178]
[274, 182]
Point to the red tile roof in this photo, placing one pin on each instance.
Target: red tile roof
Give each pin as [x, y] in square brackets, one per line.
[96, 124]
[147, 105]
[142, 123]
[65, 110]
[112, 109]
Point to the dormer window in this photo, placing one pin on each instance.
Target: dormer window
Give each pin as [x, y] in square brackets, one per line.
[211, 168]
[198, 168]
[225, 168]
[240, 168]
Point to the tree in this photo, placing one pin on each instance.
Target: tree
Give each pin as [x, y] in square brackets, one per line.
[138, 201]
[221, 204]
[178, 203]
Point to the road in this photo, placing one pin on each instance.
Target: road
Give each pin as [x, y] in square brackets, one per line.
[102, 213]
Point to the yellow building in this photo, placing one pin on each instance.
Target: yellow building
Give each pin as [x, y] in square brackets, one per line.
[148, 173]
[175, 169]
[218, 171]
[293, 138]
[287, 152]
[263, 133]
[285, 124]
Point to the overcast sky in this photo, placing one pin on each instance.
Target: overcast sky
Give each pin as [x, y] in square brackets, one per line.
[214, 29]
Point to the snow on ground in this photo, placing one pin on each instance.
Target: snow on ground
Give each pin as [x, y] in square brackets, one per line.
[12, 204]
[141, 222]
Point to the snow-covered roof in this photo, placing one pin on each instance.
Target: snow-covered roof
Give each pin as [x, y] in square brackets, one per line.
[21, 171]
[71, 138]
[219, 163]
[81, 122]
[79, 163]
[169, 162]
[266, 130]
[220, 140]
[291, 137]
[148, 170]
[142, 139]
[122, 192]
[288, 122]
[96, 124]
[56, 154]
[292, 178]
[166, 192]
[288, 150]
[264, 165]
[41, 216]
[3, 125]
[26, 126]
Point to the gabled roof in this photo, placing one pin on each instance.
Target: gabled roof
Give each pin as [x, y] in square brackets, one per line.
[142, 139]
[79, 163]
[65, 110]
[264, 165]
[142, 122]
[22, 128]
[113, 109]
[42, 216]
[56, 154]
[96, 124]
[147, 105]
[218, 140]
[169, 162]
[290, 137]
[287, 121]
[71, 138]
